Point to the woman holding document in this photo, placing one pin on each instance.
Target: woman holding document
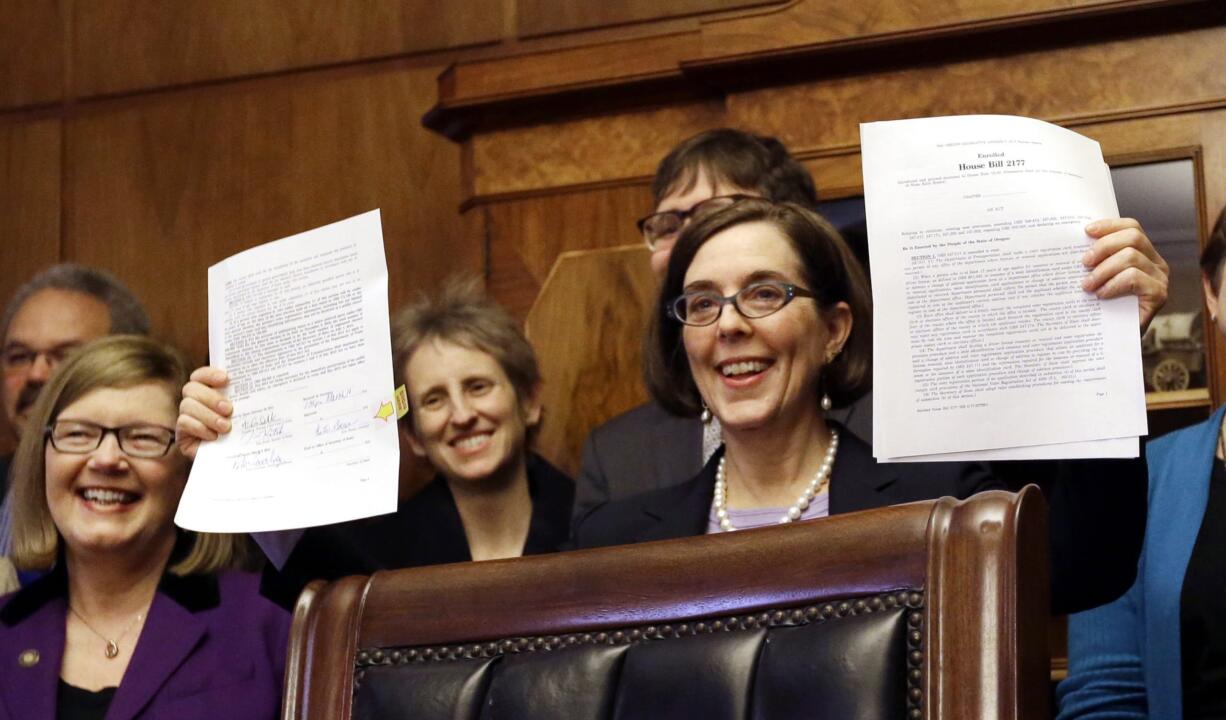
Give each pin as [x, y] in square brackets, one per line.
[134, 617]
[765, 323]
[473, 383]
[1160, 650]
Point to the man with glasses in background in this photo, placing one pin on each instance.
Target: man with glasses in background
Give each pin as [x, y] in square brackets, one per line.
[57, 311]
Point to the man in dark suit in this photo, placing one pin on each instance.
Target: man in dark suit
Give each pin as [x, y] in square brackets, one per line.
[55, 312]
[646, 448]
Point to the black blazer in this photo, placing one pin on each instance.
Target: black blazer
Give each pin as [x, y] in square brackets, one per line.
[426, 529]
[646, 448]
[1095, 522]
[642, 449]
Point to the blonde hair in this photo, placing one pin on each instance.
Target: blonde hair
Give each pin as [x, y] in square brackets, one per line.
[117, 361]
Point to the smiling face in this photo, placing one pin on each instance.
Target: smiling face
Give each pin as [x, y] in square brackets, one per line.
[765, 371]
[704, 189]
[104, 501]
[469, 422]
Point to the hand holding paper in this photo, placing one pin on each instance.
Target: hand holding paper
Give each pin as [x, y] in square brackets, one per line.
[1123, 261]
[301, 328]
[985, 339]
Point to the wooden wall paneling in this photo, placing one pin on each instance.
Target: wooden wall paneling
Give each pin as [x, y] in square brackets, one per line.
[526, 236]
[161, 187]
[802, 25]
[1137, 136]
[838, 175]
[587, 326]
[29, 210]
[578, 72]
[539, 73]
[820, 119]
[1074, 84]
[29, 199]
[586, 151]
[540, 17]
[124, 45]
[31, 52]
[597, 78]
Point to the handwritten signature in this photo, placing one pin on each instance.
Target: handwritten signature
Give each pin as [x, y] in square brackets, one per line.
[326, 398]
[337, 426]
[264, 426]
[257, 460]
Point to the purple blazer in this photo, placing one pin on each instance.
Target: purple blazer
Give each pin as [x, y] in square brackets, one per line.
[212, 647]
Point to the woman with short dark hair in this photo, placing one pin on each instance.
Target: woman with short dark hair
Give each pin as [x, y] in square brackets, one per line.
[765, 322]
[829, 273]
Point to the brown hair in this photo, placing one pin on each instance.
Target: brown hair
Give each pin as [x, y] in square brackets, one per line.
[128, 316]
[118, 361]
[751, 162]
[461, 313]
[831, 272]
[1213, 257]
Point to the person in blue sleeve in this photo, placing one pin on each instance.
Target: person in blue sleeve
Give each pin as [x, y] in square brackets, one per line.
[1160, 650]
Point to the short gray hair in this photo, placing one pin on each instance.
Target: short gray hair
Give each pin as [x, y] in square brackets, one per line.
[128, 316]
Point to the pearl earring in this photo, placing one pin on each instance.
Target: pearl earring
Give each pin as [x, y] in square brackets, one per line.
[826, 404]
[706, 413]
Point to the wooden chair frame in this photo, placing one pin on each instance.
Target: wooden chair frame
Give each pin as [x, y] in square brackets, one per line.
[982, 564]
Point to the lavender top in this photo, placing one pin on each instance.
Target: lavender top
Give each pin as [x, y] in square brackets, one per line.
[761, 517]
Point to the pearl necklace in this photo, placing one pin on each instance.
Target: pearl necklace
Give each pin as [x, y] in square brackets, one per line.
[819, 482]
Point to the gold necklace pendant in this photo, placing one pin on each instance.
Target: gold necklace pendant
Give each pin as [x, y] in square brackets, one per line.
[112, 646]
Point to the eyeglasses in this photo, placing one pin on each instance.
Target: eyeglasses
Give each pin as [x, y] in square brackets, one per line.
[78, 437]
[665, 225]
[752, 301]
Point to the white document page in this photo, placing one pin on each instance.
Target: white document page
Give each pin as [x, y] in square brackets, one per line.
[301, 327]
[983, 338]
[1118, 448]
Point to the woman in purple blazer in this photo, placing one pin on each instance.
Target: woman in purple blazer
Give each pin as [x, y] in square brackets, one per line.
[134, 619]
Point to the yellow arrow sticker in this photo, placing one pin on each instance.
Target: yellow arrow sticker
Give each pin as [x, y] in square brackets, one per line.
[385, 411]
[402, 402]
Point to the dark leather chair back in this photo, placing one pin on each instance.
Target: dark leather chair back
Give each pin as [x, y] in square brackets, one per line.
[929, 610]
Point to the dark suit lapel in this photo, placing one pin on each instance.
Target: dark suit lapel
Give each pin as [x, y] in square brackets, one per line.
[170, 634]
[28, 686]
[682, 510]
[678, 449]
[859, 482]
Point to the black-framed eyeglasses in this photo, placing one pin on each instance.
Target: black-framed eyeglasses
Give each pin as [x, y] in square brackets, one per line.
[665, 225]
[756, 300]
[78, 437]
